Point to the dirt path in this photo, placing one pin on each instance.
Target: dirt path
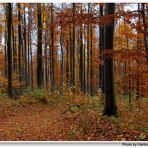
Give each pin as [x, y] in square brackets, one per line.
[32, 122]
[39, 122]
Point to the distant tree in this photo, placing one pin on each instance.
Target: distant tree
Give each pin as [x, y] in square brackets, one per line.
[25, 49]
[52, 61]
[62, 56]
[91, 60]
[39, 47]
[72, 49]
[81, 60]
[101, 44]
[145, 30]
[88, 53]
[19, 43]
[30, 54]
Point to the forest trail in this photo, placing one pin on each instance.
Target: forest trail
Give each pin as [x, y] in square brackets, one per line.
[39, 122]
[31, 122]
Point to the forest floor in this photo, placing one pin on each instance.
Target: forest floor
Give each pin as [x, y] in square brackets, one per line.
[71, 118]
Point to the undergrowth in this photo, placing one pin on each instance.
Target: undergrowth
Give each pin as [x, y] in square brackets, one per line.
[85, 113]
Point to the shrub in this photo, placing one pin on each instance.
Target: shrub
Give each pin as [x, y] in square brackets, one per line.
[41, 95]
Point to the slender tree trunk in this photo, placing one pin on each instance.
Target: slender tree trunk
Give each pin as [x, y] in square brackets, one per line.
[101, 43]
[19, 44]
[52, 54]
[129, 68]
[13, 50]
[67, 61]
[30, 49]
[138, 64]
[39, 48]
[72, 56]
[145, 30]
[125, 75]
[81, 61]
[46, 62]
[31, 64]
[84, 75]
[88, 53]
[125, 65]
[9, 48]
[91, 63]
[5, 37]
[62, 59]
[110, 104]
[25, 51]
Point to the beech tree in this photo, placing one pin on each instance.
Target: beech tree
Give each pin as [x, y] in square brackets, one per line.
[101, 46]
[52, 60]
[39, 47]
[145, 30]
[72, 51]
[110, 104]
[20, 46]
[9, 47]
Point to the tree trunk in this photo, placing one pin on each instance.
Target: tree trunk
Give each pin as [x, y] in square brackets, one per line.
[19, 45]
[110, 104]
[9, 48]
[145, 31]
[5, 43]
[101, 43]
[25, 51]
[52, 54]
[91, 61]
[67, 62]
[88, 53]
[39, 48]
[62, 59]
[81, 61]
[72, 51]
[46, 62]
[30, 49]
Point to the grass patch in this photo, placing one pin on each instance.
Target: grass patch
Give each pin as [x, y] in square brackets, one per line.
[144, 129]
[93, 103]
[72, 133]
[86, 127]
[115, 120]
[41, 95]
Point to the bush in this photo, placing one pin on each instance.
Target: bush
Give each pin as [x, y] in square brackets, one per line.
[41, 95]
